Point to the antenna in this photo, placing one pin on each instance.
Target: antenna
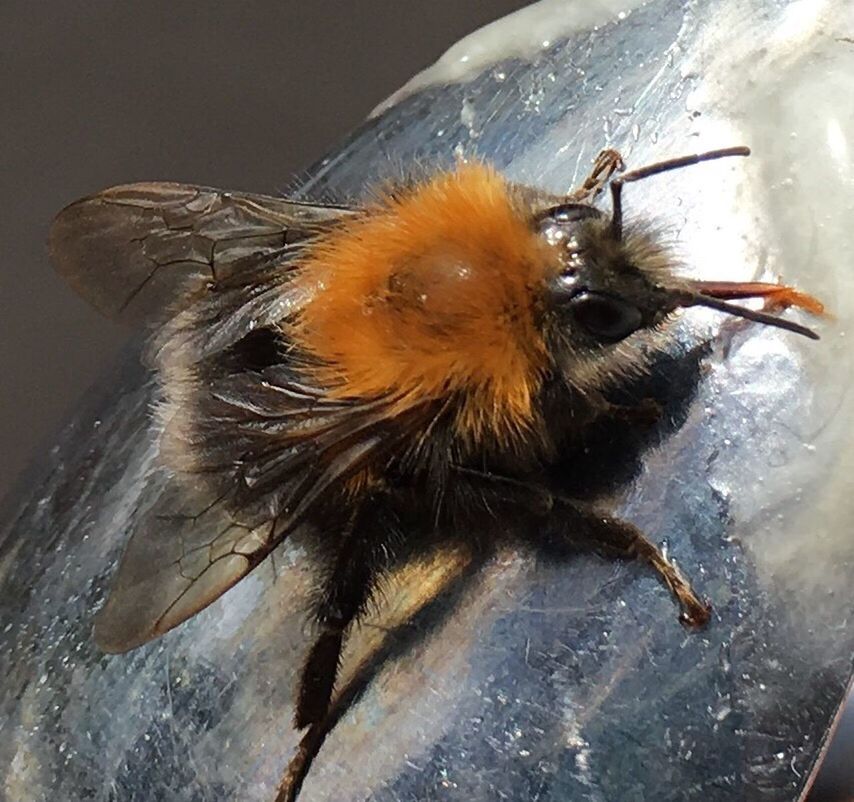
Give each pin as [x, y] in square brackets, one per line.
[655, 169]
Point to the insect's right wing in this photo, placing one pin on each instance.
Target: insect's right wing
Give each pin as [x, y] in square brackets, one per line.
[220, 516]
[135, 250]
[183, 554]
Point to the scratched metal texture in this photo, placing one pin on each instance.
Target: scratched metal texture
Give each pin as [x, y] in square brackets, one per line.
[533, 678]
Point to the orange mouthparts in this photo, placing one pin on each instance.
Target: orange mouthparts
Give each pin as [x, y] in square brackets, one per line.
[777, 296]
[718, 294]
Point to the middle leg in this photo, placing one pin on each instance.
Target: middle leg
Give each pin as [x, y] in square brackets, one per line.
[562, 524]
[581, 526]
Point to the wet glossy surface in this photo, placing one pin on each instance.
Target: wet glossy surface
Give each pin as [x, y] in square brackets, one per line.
[529, 678]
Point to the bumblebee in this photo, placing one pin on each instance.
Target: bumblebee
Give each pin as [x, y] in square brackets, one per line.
[367, 374]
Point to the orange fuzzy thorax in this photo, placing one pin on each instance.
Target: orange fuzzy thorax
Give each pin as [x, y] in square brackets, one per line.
[433, 295]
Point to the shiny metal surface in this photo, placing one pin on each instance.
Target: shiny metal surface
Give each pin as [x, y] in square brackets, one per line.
[527, 678]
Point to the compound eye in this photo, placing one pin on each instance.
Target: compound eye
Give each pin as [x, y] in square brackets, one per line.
[604, 316]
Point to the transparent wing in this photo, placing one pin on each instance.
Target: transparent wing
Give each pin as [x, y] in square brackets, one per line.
[135, 250]
[179, 560]
[296, 448]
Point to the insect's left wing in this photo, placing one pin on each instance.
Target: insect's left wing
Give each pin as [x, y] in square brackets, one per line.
[135, 250]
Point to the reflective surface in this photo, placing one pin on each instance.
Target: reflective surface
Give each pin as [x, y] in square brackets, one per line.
[526, 678]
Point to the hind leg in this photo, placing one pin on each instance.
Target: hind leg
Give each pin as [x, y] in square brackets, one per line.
[361, 558]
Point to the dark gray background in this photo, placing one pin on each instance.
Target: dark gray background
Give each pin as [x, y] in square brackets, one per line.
[239, 95]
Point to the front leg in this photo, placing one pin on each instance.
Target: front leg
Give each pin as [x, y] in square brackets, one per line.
[645, 412]
[607, 163]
